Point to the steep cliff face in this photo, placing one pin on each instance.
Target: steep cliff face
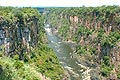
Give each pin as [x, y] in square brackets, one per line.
[96, 32]
[18, 35]
[24, 53]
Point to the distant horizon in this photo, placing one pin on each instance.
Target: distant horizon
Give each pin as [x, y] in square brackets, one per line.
[59, 3]
[56, 6]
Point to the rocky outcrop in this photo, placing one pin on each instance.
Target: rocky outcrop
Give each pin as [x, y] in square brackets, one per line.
[17, 36]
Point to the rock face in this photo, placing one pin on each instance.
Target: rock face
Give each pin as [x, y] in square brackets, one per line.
[18, 36]
[96, 33]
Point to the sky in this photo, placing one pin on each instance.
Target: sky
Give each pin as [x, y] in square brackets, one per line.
[57, 3]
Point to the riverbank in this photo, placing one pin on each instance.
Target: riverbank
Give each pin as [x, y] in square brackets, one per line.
[63, 52]
[97, 35]
[88, 68]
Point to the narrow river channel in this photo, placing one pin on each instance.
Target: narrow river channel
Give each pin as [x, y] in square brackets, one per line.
[64, 53]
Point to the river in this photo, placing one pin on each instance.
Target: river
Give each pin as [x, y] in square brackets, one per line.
[64, 53]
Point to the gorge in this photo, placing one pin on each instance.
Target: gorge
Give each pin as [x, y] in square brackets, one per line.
[96, 33]
[60, 43]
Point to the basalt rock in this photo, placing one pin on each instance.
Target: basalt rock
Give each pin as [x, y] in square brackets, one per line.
[17, 37]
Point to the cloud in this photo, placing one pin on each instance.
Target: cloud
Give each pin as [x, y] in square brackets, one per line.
[18, 2]
[61, 3]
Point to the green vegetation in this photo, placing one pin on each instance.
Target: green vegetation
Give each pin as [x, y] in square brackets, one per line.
[32, 58]
[106, 67]
[46, 62]
[95, 30]
[118, 72]
[11, 69]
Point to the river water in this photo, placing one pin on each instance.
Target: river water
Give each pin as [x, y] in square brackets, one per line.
[64, 53]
